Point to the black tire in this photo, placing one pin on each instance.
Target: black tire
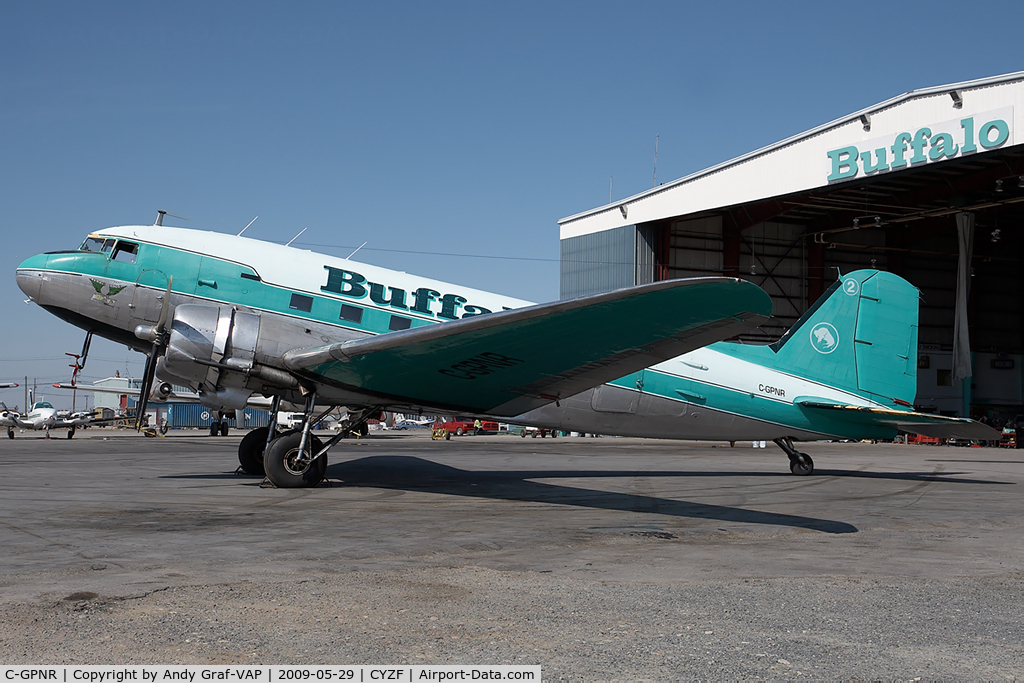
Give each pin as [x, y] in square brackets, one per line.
[250, 451]
[533, 435]
[10, 432]
[554, 434]
[278, 459]
[458, 431]
[214, 428]
[163, 427]
[523, 433]
[802, 466]
[223, 428]
[447, 435]
[71, 433]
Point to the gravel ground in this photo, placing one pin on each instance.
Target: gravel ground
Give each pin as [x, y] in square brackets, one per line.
[577, 629]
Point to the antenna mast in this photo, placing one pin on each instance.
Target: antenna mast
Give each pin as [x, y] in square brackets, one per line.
[656, 138]
[246, 227]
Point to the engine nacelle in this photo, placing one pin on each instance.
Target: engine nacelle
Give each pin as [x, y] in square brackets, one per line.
[161, 391]
[213, 348]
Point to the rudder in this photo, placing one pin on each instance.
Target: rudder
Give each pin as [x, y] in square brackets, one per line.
[861, 336]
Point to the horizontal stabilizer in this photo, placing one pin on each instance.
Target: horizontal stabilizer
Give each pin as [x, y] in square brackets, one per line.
[513, 361]
[938, 426]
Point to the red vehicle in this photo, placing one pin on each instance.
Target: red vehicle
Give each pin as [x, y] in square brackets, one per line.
[464, 425]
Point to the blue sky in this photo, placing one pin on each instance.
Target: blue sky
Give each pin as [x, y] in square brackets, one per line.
[448, 130]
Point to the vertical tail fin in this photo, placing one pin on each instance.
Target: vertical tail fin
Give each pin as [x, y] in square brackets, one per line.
[861, 335]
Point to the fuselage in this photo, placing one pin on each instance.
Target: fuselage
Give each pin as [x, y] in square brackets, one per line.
[118, 279]
[42, 415]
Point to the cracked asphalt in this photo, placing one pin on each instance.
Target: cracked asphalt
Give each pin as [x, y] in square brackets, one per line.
[599, 559]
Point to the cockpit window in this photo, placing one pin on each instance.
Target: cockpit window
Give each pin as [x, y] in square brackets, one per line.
[125, 251]
[98, 244]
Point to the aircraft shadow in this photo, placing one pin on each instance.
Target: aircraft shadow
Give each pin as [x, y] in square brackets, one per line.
[417, 474]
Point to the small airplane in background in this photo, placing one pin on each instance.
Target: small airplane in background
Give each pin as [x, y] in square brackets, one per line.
[7, 385]
[233, 318]
[43, 416]
[7, 418]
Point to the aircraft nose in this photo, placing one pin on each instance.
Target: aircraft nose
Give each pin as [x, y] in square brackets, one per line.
[30, 275]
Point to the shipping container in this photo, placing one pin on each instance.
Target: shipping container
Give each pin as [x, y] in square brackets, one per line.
[199, 416]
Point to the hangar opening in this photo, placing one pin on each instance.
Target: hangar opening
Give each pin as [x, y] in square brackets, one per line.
[914, 185]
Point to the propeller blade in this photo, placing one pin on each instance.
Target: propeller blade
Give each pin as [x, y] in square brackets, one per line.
[147, 384]
[166, 307]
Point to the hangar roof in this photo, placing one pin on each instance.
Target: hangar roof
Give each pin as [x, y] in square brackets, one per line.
[907, 140]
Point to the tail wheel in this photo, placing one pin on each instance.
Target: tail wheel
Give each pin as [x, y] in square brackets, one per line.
[801, 466]
[250, 451]
[283, 465]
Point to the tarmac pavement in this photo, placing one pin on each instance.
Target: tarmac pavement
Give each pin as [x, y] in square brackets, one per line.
[599, 559]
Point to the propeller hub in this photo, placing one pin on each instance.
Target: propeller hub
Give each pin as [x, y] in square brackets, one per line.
[147, 332]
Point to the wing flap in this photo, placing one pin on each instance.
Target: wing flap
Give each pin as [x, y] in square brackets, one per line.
[939, 426]
[510, 362]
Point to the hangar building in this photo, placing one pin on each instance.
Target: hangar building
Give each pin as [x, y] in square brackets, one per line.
[893, 186]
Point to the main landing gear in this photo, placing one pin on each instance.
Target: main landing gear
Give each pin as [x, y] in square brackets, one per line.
[296, 458]
[799, 463]
[219, 426]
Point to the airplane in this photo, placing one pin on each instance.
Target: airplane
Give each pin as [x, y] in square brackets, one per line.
[7, 385]
[230, 317]
[43, 415]
[7, 416]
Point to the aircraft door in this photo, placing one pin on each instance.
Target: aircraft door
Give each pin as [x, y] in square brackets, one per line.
[148, 295]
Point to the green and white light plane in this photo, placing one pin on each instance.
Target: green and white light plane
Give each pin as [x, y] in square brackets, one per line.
[232, 317]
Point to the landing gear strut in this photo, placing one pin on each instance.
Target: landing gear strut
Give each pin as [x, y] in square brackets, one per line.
[799, 463]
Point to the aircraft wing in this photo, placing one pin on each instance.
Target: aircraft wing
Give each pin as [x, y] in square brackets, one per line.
[125, 391]
[510, 362]
[255, 401]
[78, 420]
[938, 426]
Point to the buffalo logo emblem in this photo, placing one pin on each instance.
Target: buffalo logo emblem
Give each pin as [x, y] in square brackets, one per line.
[824, 338]
[112, 291]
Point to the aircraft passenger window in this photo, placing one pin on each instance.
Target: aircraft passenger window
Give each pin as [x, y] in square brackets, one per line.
[399, 323]
[301, 303]
[97, 244]
[125, 251]
[353, 314]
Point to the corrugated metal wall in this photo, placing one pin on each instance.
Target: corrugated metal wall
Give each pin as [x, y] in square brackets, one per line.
[606, 260]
